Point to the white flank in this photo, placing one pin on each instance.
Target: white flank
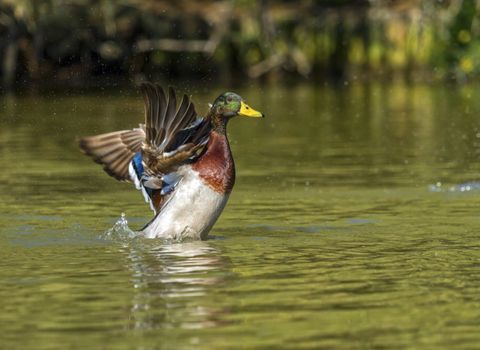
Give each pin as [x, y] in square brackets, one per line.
[138, 186]
[191, 210]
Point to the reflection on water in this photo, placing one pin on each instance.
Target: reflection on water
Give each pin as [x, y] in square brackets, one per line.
[170, 274]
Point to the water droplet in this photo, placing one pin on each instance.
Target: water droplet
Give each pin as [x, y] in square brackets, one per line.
[119, 230]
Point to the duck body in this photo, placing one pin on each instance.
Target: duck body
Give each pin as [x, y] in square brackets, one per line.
[181, 162]
[200, 196]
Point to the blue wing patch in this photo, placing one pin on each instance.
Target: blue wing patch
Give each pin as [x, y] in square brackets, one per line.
[141, 180]
[137, 172]
[137, 164]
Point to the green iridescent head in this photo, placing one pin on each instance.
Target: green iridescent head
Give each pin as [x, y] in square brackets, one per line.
[229, 104]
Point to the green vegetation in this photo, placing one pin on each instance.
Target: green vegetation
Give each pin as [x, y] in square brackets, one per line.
[76, 41]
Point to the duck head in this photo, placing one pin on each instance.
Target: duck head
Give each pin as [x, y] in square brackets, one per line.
[229, 105]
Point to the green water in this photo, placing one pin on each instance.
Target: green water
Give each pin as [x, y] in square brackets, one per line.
[333, 237]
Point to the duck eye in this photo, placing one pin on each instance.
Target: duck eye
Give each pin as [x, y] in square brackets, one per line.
[229, 99]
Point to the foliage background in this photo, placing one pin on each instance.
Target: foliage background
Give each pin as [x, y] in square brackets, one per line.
[76, 42]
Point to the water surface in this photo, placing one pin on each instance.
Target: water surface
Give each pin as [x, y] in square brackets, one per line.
[348, 227]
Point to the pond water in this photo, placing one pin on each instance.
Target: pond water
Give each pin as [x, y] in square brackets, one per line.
[354, 223]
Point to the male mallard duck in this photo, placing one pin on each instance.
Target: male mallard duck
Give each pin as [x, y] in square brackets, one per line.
[181, 162]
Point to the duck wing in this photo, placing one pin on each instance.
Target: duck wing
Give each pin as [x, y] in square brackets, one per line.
[174, 136]
[114, 150]
[150, 155]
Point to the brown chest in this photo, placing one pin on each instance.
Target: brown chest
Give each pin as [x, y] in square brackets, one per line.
[216, 167]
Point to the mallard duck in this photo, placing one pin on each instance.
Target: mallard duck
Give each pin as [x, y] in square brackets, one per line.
[181, 162]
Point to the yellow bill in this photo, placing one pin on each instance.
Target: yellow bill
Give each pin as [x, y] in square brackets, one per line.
[247, 111]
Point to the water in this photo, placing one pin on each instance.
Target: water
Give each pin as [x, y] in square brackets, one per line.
[347, 228]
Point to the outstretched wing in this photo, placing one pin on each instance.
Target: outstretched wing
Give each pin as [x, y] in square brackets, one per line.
[174, 136]
[114, 150]
[150, 155]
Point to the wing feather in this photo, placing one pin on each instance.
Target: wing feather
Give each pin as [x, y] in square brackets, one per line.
[159, 117]
[171, 106]
[150, 156]
[114, 150]
[164, 122]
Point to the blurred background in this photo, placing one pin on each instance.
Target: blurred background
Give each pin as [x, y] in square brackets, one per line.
[77, 42]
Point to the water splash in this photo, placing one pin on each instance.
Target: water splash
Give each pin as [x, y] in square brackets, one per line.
[119, 230]
[464, 187]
